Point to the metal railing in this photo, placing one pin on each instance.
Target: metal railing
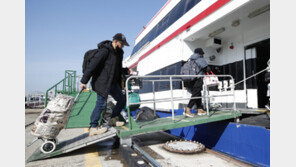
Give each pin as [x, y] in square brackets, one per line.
[169, 78]
[66, 86]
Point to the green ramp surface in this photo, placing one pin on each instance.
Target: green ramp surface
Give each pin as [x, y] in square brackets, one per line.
[166, 123]
[81, 111]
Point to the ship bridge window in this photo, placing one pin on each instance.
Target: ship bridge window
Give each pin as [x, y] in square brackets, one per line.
[177, 12]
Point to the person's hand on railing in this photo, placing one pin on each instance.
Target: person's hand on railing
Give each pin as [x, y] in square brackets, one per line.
[83, 86]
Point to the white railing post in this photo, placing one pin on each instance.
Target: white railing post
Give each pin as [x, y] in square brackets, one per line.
[207, 99]
[154, 106]
[172, 100]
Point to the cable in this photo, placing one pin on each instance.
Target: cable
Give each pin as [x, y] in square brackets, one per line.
[252, 76]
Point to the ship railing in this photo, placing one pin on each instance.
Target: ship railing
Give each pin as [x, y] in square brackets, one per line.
[172, 78]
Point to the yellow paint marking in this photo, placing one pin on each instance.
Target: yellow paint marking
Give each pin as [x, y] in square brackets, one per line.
[92, 158]
[262, 110]
[124, 127]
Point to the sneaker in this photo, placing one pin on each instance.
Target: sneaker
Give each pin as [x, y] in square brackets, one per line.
[115, 122]
[119, 123]
[97, 131]
[201, 112]
[188, 114]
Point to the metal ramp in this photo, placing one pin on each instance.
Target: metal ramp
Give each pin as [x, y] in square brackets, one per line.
[73, 144]
[178, 121]
[166, 123]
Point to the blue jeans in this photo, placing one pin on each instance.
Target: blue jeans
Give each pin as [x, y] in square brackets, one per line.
[116, 92]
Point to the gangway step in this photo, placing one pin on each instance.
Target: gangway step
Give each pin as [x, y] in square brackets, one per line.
[73, 144]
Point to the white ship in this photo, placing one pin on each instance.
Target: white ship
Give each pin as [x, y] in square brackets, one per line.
[235, 35]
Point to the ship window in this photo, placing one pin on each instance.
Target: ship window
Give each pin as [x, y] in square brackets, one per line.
[165, 85]
[163, 24]
[172, 70]
[177, 12]
[156, 84]
[189, 4]
[234, 69]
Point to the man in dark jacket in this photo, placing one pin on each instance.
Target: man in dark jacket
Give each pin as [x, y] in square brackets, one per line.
[105, 69]
[195, 86]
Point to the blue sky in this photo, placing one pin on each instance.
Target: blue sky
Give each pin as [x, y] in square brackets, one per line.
[59, 32]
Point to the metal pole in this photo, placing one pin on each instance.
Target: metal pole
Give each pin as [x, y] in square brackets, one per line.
[172, 100]
[71, 81]
[153, 98]
[127, 105]
[234, 103]
[74, 82]
[207, 100]
[46, 96]
[245, 76]
[65, 82]
[68, 83]
[64, 86]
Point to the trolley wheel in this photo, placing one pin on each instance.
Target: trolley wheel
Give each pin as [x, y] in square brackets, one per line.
[48, 147]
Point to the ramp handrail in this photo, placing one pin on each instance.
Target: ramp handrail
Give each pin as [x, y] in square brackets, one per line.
[206, 95]
[68, 85]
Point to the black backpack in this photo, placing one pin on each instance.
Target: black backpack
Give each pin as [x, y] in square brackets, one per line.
[146, 114]
[87, 58]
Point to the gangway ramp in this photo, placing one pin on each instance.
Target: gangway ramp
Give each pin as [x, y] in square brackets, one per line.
[81, 111]
[166, 123]
[178, 121]
[73, 144]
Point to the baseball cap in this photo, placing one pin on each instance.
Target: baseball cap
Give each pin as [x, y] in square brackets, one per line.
[120, 37]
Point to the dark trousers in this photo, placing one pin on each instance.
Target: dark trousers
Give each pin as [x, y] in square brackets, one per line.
[116, 92]
[195, 87]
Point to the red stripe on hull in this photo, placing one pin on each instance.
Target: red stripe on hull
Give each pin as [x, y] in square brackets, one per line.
[190, 23]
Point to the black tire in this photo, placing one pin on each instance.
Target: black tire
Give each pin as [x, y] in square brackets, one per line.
[48, 147]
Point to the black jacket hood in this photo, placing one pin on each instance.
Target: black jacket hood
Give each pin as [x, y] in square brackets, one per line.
[108, 44]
